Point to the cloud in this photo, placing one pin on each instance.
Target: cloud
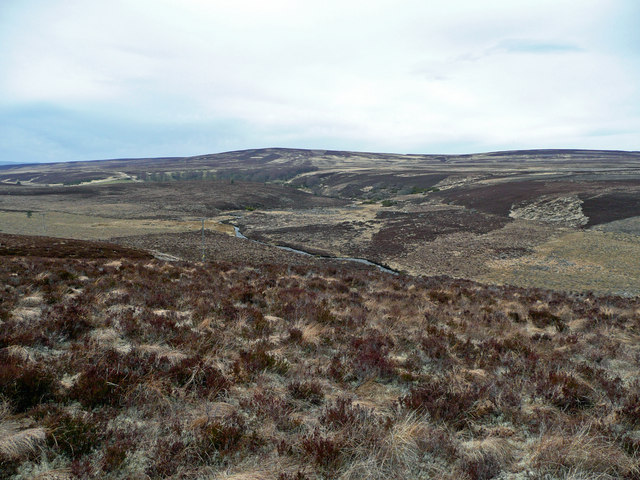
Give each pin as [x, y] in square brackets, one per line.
[516, 46]
[83, 79]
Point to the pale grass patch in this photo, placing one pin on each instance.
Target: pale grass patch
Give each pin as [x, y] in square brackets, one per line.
[163, 351]
[110, 338]
[396, 454]
[513, 307]
[55, 474]
[312, 333]
[23, 353]
[107, 336]
[207, 323]
[502, 450]
[400, 446]
[203, 414]
[114, 263]
[68, 380]
[250, 475]
[578, 325]
[16, 443]
[26, 314]
[374, 394]
[33, 300]
[582, 452]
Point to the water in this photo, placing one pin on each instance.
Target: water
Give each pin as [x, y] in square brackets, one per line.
[364, 261]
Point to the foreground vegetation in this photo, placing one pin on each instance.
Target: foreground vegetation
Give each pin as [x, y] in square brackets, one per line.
[115, 365]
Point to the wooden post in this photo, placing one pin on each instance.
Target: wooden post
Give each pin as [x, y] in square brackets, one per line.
[203, 239]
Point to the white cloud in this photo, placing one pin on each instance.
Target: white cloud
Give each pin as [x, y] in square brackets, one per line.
[402, 76]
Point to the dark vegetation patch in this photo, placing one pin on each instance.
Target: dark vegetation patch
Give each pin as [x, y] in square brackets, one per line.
[608, 207]
[167, 199]
[401, 229]
[498, 199]
[67, 177]
[28, 246]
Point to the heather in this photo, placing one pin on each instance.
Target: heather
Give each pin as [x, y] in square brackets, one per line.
[121, 366]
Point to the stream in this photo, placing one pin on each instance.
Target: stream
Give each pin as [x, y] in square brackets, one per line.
[382, 268]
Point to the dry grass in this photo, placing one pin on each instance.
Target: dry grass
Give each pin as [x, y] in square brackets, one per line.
[601, 262]
[94, 227]
[167, 370]
[17, 442]
[584, 453]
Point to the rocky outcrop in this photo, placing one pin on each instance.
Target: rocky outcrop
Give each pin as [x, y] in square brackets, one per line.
[566, 211]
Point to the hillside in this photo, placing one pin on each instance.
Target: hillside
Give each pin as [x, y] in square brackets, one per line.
[115, 365]
[560, 219]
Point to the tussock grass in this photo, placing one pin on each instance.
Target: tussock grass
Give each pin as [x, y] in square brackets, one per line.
[17, 442]
[145, 369]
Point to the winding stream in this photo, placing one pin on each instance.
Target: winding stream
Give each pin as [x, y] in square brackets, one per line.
[382, 268]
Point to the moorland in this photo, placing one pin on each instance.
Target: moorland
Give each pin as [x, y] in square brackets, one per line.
[505, 343]
[561, 219]
[114, 364]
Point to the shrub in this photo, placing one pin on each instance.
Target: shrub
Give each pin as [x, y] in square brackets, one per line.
[544, 318]
[109, 379]
[444, 400]
[115, 454]
[293, 476]
[25, 384]
[309, 391]
[69, 321]
[295, 335]
[75, 434]
[370, 356]
[221, 435]
[630, 408]
[481, 467]
[193, 374]
[565, 391]
[342, 413]
[170, 455]
[273, 406]
[259, 359]
[325, 451]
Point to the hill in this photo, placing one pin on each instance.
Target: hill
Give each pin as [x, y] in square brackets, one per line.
[562, 219]
[116, 365]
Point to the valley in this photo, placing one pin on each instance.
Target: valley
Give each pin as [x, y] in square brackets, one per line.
[496, 217]
[504, 344]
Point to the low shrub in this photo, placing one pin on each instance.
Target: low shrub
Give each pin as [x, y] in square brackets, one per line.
[370, 356]
[308, 391]
[325, 451]
[565, 391]
[76, 434]
[221, 436]
[260, 359]
[445, 400]
[25, 384]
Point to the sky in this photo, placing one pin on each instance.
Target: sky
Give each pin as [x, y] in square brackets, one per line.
[95, 79]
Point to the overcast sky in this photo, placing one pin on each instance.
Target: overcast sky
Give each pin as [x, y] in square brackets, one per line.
[91, 79]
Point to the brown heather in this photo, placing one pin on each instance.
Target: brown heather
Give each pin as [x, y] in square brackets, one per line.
[137, 368]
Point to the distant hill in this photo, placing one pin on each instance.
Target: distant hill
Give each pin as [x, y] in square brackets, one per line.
[287, 164]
